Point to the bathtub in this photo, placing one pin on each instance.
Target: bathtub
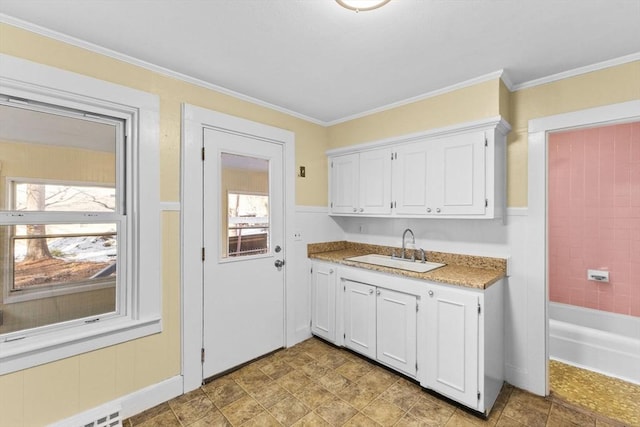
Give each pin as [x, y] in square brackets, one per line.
[600, 341]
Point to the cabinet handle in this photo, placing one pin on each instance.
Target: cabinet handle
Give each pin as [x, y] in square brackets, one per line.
[430, 293]
[428, 210]
[361, 209]
[370, 291]
[438, 210]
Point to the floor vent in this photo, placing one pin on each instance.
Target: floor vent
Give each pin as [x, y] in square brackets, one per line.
[103, 416]
[111, 420]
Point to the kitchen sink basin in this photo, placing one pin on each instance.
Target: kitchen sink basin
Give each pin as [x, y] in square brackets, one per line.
[387, 261]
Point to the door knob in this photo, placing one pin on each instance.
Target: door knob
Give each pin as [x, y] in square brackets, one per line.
[279, 263]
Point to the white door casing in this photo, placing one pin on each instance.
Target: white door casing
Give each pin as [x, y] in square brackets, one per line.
[194, 121]
[537, 286]
[243, 295]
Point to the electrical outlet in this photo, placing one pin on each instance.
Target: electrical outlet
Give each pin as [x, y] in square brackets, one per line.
[297, 236]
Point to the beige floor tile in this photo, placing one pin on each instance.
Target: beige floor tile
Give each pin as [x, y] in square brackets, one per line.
[336, 411]
[358, 395]
[289, 411]
[316, 384]
[354, 370]
[225, 394]
[212, 419]
[383, 412]
[264, 419]
[312, 420]
[429, 412]
[360, 420]
[242, 410]
[294, 381]
[193, 410]
[313, 395]
[270, 394]
[334, 382]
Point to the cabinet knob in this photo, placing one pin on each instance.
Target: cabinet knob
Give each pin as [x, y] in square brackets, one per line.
[378, 292]
[355, 209]
[438, 210]
[428, 210]
[370, 291]
[361, 209]
[430, 293]
[331, 271]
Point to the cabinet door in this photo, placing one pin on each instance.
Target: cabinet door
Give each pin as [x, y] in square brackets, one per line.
[344, 183]
[460, 167]
[396, 330]
[323, 301]
[360, 318]
[410, 191]
[375, 182]
[451, 360]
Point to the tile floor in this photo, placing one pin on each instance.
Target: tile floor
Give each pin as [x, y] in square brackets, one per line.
[316, 384]
[611, 397]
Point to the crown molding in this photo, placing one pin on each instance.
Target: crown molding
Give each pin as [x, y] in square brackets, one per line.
[501, 74]
[578, 71]
[481, 79]
[6, 19]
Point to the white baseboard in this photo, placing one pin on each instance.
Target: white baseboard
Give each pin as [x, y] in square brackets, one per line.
[151, 396]
[130, 404]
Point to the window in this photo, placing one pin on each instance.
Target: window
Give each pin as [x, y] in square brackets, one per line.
[73, 217]
[248, 231]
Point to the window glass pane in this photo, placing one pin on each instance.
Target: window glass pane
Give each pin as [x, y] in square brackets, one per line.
[248, 224]
[80, 259]
[51, 197]
[74, 157]
[245, 204]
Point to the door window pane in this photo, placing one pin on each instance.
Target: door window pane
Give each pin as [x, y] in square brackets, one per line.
[245, 204]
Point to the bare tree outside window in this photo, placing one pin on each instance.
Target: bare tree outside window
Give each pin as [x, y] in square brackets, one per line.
[37, 249]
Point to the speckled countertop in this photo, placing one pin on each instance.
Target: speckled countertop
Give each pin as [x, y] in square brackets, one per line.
[462, 270]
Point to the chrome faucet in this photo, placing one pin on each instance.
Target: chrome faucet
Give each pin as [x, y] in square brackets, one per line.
[404, 238]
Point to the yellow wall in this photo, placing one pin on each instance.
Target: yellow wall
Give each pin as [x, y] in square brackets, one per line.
[467, 104]
[609, 86]
[70, 386]
[66, 387]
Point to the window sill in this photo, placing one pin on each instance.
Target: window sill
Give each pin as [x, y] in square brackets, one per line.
[40, 349]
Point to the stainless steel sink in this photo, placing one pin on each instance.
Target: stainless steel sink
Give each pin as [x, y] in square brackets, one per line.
[387, 261]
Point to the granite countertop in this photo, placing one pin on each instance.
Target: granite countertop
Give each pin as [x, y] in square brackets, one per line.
[462, 270]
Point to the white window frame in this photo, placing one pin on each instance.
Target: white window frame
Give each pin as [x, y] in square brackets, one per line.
[22, 79]
[39, 292]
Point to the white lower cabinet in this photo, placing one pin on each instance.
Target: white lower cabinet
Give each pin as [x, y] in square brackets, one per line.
[463, 357]
[323, 301]
[381, 324]
[449, 338]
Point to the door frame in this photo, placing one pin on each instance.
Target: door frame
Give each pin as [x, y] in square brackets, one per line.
[537, 238]
[194, 120]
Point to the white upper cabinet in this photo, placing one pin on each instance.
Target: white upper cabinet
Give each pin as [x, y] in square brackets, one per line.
[360, 183]
[457, 172]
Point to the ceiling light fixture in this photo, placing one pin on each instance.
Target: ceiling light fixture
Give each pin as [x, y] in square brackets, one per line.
[362, 5]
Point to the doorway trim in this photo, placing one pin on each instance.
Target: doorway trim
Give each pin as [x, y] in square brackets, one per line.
[537, 232]
[194, 121]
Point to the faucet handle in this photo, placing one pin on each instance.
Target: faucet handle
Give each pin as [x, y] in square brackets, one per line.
[393, 253]
[423, 256]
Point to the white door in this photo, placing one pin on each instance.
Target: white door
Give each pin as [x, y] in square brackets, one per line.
[323, 301]
[243, 225]
[396, 330]
[451, 361]
[360, 318]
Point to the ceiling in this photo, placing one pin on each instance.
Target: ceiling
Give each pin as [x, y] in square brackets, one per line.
[324, 63]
